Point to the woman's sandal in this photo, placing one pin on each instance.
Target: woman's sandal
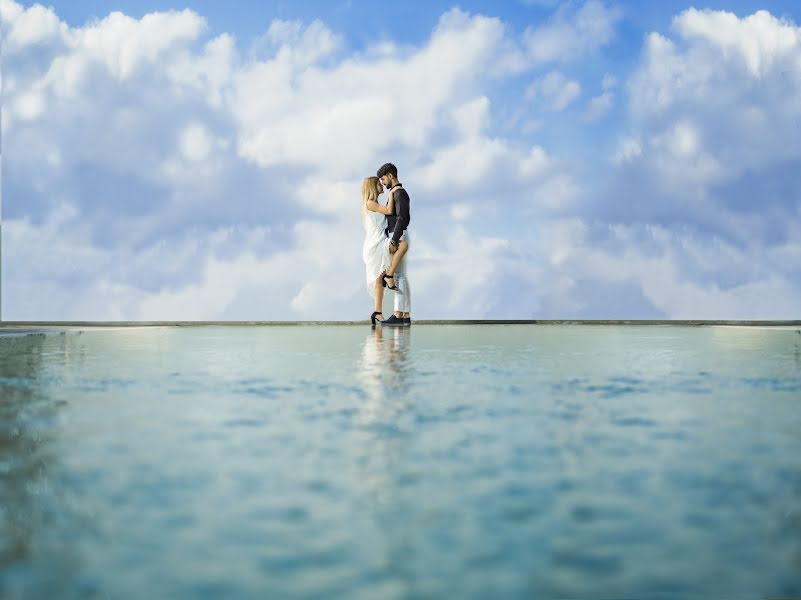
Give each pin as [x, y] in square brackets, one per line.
[391, 287]
[373, 319]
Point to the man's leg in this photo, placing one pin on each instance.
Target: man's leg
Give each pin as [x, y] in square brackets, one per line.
[397, 315]
[408, 311]
[402, 295]
[398, 268]
[407, 308]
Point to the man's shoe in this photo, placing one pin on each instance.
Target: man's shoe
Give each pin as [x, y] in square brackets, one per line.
[407, 321]
[393, 321]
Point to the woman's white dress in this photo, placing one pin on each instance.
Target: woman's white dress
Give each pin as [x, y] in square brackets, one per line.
[374, 251]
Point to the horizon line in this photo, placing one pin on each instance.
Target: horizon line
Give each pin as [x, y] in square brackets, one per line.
[250, 323]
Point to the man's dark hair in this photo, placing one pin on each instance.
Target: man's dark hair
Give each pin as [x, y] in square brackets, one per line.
[387, 168]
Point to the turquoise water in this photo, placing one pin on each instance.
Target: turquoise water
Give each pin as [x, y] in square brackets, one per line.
[440, 461]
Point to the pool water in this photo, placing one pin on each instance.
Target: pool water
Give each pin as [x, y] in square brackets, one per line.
[432, 462]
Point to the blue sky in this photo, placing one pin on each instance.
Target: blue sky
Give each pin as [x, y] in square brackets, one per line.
[587, 159]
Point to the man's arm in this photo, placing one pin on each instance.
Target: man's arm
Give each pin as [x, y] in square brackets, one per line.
[402, 212]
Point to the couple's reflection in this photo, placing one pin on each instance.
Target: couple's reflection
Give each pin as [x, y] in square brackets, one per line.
[385, 366]
[387, 376]
[386, 373]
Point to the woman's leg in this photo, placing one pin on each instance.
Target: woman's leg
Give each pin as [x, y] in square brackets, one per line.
[379, 294]
[403, 246]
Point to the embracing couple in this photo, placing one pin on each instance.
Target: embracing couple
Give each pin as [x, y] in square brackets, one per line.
[386, 243]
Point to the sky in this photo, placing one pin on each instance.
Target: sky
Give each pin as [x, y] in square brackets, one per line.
[565, 160]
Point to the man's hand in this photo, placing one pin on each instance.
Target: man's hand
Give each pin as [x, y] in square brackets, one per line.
[393, 247]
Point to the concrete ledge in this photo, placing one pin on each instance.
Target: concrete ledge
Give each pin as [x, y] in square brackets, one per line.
[13, 325]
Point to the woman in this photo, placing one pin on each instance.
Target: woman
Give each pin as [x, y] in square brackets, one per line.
[374, 251]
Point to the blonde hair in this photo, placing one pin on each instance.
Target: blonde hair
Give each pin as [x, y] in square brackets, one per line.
[369, 192]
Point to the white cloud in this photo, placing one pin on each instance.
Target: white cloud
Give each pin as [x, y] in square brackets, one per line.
[28, 27]
[571, 34]
[118, 44]
[298, 44]
[208, 74]
[276, 89]
[600, 105]
[716, 119]
[555, 90]
[472, 117]
[685, 277]
[460, 212]
[727, 69]
[541, 3]
[124, 44]
[535, 163]
[313, 279]
[628, 150]
[29, 106]
[462, 165]
[307, 118]
[209, 184]
[761, 41]
[195, 143]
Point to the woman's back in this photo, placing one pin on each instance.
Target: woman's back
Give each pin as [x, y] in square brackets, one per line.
[374, 251]
[375, 225]
[374, 222]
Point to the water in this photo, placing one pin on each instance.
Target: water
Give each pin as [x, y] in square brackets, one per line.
[441, 461]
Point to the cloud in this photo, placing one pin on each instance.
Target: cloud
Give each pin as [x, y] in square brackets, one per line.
[628, 150]
[152, 172]
[306, 118]
[554, 90]
[301, 45]
[186, 147]
[571, 34]
[540, 3]
[34, 26]
[600, 105]
[760, 41]
[684, 275]
[711, 109]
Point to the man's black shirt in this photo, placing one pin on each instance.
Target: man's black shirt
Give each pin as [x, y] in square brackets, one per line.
[398, 222]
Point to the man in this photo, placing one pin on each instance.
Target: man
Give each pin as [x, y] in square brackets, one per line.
[398, 244]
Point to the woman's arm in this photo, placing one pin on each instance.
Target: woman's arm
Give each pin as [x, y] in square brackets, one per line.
[376, 207]
[380, 208]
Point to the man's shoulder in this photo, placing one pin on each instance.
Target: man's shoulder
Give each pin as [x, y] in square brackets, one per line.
[401, 193]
